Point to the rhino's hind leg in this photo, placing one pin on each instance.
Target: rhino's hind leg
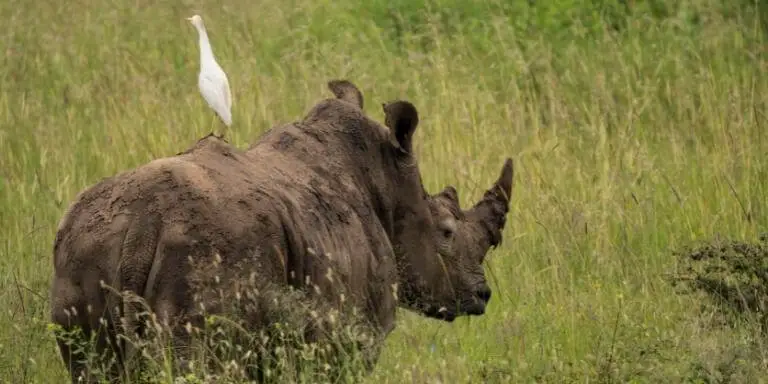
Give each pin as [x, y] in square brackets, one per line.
[169, 291]
[71, 331]
[172, 318]
[85, 332]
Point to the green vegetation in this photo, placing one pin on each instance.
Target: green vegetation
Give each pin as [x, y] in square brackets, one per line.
[636, 129]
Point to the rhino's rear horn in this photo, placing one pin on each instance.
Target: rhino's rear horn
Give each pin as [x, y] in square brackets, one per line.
[345, 90]
[451, 193]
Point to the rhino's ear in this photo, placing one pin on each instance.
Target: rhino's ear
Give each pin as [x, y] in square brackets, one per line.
[504, 183]
[401, 118]
[346, 91]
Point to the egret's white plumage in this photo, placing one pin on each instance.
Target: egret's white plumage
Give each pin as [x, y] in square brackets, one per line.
[212, 81]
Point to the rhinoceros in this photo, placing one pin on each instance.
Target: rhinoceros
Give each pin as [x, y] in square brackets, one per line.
[335, 191]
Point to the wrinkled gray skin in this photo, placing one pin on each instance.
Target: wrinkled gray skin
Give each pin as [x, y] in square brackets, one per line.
[336, 183]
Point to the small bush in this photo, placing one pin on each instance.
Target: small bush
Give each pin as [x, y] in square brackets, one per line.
[734, 275]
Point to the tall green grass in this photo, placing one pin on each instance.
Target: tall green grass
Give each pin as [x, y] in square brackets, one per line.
[635, 129]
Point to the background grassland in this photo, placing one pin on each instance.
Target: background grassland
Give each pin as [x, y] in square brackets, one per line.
[635, 129]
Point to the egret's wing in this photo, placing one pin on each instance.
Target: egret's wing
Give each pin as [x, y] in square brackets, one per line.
[227, 92]
[211, 89]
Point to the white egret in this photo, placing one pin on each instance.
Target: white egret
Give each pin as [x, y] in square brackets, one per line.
[212, 81]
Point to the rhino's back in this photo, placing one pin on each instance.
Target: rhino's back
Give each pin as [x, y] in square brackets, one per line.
[170, 194]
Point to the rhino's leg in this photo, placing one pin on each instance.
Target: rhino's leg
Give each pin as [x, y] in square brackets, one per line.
[170, 294]
[83, 315]
[171, 315]
[66, 309]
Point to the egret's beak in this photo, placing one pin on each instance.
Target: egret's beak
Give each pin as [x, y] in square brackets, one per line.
[189, 19]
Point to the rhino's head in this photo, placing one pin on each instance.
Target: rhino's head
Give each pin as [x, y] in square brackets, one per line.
[466, 236]
[431, 262]
[424, 283]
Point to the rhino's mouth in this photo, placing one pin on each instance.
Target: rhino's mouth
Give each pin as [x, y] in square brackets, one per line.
[471, 308]
[475, 308]
[440, 313]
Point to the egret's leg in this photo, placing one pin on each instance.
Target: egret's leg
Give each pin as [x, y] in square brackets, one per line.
[212, 126]
[223, 128]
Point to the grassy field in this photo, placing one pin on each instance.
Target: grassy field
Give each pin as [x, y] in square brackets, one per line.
[634, 133]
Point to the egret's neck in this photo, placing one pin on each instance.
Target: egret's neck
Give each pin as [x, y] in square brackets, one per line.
[206, 53]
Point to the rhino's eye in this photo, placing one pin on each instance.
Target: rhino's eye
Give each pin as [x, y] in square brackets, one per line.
[447, 228]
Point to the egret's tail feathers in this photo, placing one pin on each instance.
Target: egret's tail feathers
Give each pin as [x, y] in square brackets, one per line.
[227, 120]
